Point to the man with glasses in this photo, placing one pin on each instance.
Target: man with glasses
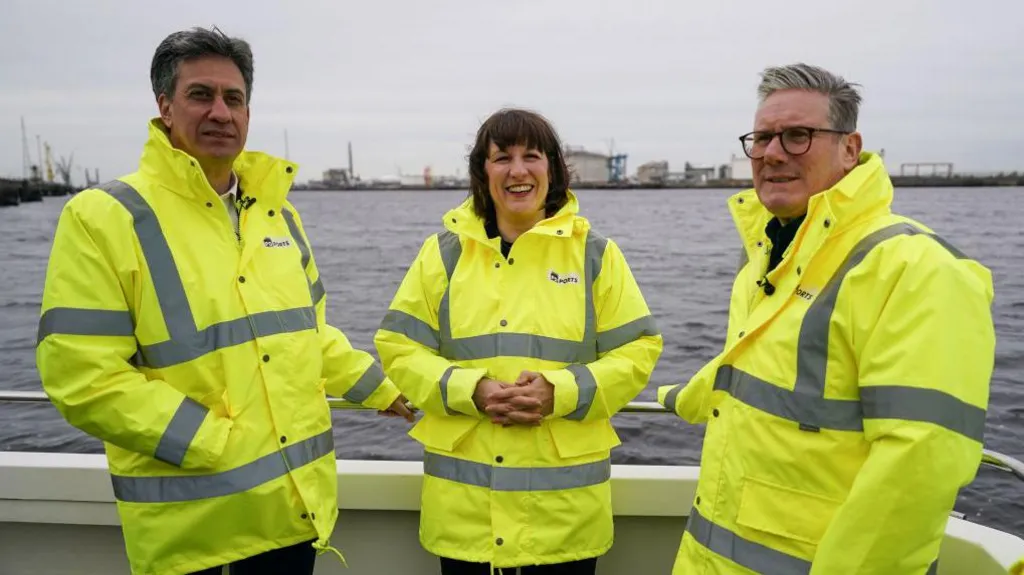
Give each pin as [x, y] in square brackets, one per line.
[847, 407]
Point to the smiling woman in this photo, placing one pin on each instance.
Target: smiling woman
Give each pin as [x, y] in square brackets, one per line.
[519, 331]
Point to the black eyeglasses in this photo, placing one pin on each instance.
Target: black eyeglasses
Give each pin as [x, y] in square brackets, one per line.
[795, 141]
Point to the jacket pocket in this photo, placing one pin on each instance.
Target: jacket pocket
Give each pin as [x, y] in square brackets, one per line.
[577, 439]
[443, 433]
[784, 511]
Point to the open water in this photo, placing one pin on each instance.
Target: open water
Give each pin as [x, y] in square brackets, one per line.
[681, 246]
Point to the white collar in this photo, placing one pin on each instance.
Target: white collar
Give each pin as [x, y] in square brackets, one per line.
[233, 189]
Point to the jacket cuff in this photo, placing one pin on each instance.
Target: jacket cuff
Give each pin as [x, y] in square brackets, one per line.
[460, 387]
[382, 397]
[567, 392]
[209, 442]
[668, 395]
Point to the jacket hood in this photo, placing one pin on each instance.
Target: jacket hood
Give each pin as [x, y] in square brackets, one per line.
[566, 222]
[262, 175]
[867, 189]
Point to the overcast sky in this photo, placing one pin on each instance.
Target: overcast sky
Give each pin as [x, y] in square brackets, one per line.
[409, 81]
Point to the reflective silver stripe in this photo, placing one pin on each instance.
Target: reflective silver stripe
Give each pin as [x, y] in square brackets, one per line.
[812, 355]
[77, 321]
[593, 256]
[516, 478]
[670, 397]
[443, 384]
[809, 410]
[170, 291]
[754, 556]
[626, 333]
[806, 404]
[168, 489]
[186, 343]
[587, 390]
[300, 241]
[516, 345]
[227, 334]
[922, 404]
[180, 431]
[451, 250]
[367, 384]
[412, 328]
[510, 344]
[318, 290]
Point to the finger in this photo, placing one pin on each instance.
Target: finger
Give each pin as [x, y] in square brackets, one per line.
[404, 411]
[524, 417]
[497, 409]
[506, 393]
[526, 377]
[524, 402]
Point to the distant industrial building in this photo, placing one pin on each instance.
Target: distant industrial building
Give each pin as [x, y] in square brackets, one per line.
[738, 168]
[337, 178]
[652, 173]
[593, 167]
[586, 166]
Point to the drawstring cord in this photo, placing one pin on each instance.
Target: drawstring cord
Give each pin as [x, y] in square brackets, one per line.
[323, 547]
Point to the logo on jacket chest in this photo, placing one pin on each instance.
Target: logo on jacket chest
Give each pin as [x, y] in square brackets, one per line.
[269, 242]
[569, 278]
[800, 291]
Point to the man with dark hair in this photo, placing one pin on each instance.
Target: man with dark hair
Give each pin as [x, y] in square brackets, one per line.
[183, 323]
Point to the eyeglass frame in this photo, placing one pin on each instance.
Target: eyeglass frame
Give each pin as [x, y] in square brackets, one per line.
[811, 131]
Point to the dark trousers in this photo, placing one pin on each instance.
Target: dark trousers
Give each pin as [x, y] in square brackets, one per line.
[295, 560]
[582, 567]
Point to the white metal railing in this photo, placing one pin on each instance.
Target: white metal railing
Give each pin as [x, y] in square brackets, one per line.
[991, 458]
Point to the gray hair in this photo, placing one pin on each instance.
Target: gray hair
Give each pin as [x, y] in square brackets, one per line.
[843, 97]
[196, 43]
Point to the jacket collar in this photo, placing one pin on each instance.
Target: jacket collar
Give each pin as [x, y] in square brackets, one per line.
[463, 221]
[865, 191]
[260, 175]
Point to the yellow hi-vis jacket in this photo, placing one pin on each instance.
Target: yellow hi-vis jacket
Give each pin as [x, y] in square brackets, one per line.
[848, 406]
[200, 359]
[564, 304]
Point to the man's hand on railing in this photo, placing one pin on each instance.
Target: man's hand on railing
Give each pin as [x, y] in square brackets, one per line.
[398, 409]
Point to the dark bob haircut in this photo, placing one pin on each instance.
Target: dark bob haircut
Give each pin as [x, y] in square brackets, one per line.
[516, 127]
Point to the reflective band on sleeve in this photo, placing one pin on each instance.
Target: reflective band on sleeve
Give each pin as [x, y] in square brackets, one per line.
[367, 384]
[179, 433]
[411, 327]
[588, 389]
[921, 404]
[76, 321]
[670, 397]
[626, 333]
[443, 384]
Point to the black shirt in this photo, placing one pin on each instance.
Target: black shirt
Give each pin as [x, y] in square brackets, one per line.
[491, 227]
[781, 236]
